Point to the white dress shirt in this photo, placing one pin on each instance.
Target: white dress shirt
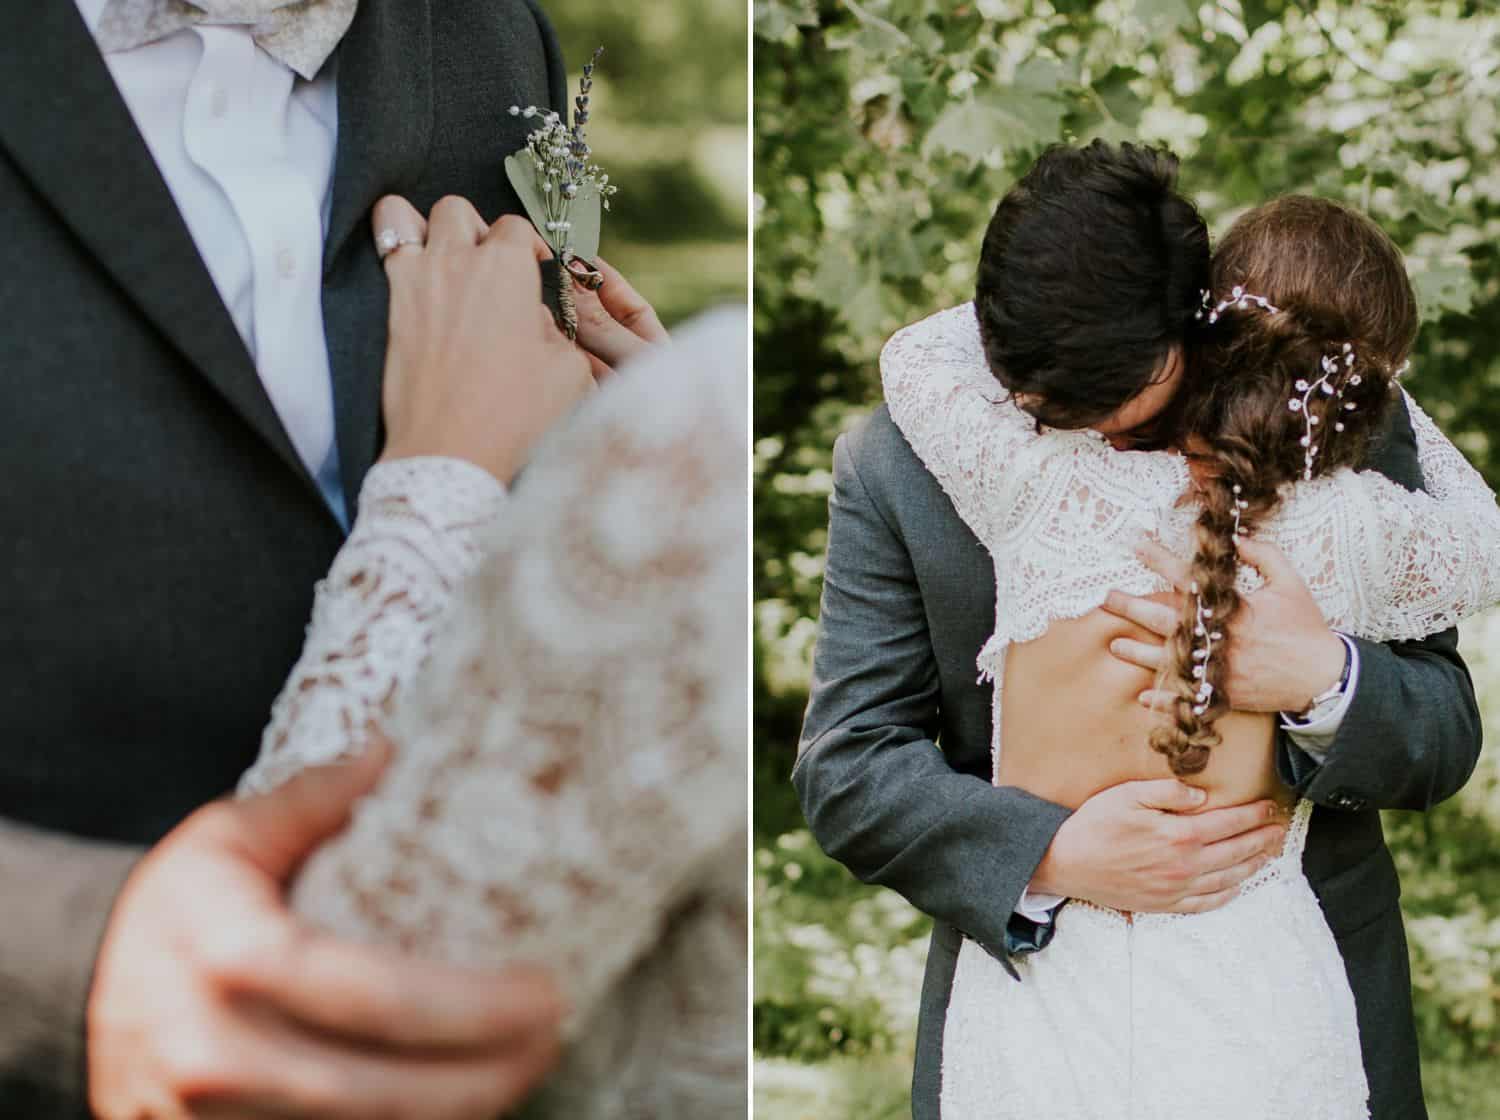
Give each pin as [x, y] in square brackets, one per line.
[247, 150]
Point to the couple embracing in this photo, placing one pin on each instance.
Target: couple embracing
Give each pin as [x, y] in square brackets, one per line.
[1206, 557]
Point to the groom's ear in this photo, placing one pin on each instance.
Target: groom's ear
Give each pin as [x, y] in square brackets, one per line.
[551, 285]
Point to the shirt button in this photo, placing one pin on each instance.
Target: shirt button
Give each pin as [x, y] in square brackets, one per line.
[286, 262]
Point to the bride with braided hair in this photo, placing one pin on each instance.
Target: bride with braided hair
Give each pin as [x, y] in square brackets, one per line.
[1289, 371]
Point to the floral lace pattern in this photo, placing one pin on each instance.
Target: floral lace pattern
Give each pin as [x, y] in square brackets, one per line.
[570, 785]
[374, 615]
[1093, 1029]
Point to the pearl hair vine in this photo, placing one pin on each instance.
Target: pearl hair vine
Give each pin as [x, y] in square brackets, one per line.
[1338, 374]
[1239, 299]
[1202, 653]
[1240, 506]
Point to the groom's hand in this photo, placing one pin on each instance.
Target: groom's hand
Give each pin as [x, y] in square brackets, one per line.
[1142, 846]
[1281, 651]
[211, 999]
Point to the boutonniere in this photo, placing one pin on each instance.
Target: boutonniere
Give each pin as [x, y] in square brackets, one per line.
[564, 192]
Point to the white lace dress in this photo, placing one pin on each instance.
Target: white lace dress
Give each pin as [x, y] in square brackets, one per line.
[564, 672]
[1245, 1012]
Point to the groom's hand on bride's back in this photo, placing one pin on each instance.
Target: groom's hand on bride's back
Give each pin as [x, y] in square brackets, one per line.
[210, 998]
[1281, 651]
[1144, 846]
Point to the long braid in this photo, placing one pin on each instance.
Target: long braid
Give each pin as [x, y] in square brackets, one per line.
[1190, 736]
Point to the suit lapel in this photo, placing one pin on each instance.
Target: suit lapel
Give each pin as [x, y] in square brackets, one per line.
[385, 111]
[385, 127]
[69, 131]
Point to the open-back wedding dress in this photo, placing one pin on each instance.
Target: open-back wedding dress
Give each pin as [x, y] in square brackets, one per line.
[563, 670]
[1244, 1012]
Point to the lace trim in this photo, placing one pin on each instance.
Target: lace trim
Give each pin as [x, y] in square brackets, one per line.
[415, 539]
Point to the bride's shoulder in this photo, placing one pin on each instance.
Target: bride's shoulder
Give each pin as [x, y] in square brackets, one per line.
[942, 346]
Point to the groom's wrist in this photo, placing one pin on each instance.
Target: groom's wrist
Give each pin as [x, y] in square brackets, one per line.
[1328, 678]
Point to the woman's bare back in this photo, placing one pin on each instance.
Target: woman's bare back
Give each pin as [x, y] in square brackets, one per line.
[1072, 723]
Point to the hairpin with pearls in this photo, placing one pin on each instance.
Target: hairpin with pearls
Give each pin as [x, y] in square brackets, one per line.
[1238, 299]
[1338, 374]
[1201, 653]
[1240, 506]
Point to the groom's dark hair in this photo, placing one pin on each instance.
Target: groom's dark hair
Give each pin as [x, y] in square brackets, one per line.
[1092, 267]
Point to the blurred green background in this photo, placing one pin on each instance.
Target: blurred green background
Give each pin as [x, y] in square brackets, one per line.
[885, 130]
[669, 124]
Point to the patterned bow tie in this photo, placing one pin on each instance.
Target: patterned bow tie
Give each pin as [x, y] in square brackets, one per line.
[298, 33]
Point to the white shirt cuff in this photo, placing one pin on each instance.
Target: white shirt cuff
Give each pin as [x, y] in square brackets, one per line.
[1315, 733]
[1037, 906]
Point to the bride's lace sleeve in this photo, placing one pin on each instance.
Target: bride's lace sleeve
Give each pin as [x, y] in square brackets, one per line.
[414, 541]
[1439, 551]
[569, 784]
[1390, 564]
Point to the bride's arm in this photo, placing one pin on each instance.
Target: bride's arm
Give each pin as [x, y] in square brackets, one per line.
[572, 757]
[1005, 478]
[1427, 559]
[474, 374]
[957, 418]
[414, 541]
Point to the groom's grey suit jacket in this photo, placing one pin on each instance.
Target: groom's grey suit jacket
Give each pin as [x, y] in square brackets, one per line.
[895, 754]
[160, 537]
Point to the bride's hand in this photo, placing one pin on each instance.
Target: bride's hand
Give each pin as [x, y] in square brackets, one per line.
[475, 366]
[615, 323]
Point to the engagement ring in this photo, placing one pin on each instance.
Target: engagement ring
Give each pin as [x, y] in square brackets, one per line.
[387, 241]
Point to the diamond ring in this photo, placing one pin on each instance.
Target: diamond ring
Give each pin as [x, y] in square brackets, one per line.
[387, 241]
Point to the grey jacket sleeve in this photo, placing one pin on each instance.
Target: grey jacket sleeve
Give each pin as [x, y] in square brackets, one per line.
[1412, 735]
[1410, 739]
[56, 893]
[878, 793]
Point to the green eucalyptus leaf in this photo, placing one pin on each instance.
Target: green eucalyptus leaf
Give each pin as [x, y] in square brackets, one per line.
[1115, 92]
[587, 215]
[585, 211]
[520, 169]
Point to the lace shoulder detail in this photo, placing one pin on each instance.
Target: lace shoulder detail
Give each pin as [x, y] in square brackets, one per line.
[414, 541]
[1060, 511]
[1387, 563]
